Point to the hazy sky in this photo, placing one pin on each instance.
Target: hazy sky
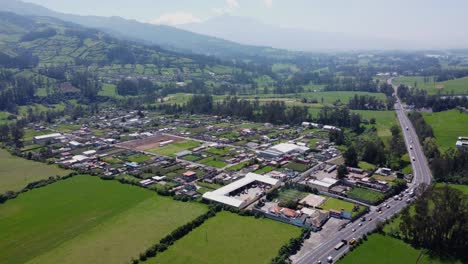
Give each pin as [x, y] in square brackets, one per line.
[424, 20]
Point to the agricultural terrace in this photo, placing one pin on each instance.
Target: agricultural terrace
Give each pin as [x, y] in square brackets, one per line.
[457, 86]
[447, 126]
[230, 238]
[87, 220]
[16, 173]
[387, 250]
[365, 194]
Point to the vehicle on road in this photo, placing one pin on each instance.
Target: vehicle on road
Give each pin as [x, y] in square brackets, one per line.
[411, 146]
[407, 128]
[354, 230]
[414, 159]
[363, 219]
[339, 245]
[352, 241]
[360, 224]
[330, 259]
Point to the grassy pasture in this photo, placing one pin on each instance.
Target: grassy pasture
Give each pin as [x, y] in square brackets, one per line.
[457, 86]
[365, 194]
[388, 250]
[384, 120]
[16, 173]
[447, 126]
[171, 149]
[87, 220]
[229, 238]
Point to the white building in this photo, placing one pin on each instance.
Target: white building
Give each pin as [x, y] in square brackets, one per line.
[221, 195]
[45, 138]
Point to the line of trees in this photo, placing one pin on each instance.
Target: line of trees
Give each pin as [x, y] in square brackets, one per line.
[365, 102]
[439, 222]
[420, 99]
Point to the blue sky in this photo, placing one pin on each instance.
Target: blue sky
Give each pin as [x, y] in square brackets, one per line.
[422, 19]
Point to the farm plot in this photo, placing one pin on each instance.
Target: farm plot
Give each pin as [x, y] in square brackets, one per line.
[150, 143]
[173, 148]
[448, 126]
[229, 238]
[87, 220]
[16, 173]
[388, 250]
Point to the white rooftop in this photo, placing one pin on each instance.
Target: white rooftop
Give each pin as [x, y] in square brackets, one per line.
[325, 182]
[288, 147]
[220, 195]
[53, 135]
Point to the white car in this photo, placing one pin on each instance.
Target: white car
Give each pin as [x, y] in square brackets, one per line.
[411, 147]
[414, 159]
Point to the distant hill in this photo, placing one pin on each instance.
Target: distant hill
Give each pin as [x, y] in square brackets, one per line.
[28, 41]
[258, 33]
[165, 36]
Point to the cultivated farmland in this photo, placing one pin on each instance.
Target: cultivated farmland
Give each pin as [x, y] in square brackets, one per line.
[229, 238]
[87, 220]
[16, 173]
[447, 126]
[387, 250]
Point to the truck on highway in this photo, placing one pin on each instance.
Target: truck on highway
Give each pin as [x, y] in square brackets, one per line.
[339, 245]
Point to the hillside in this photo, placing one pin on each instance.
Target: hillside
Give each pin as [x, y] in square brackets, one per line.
[52, 41]
[167, 37]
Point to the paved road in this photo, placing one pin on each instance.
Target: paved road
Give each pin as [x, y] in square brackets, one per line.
[422, 174]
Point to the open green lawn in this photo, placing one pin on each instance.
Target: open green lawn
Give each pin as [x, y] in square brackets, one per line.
[171, 149]
[463, 188]
[384, 120]
[213, 162]
[447, 126]
[138, 158]
[457, 86]
[229, 238]
[16, 173]
[299, 167]
[265, 169]
[238, 166]
[87, 220]
[366, 166]
[337, 204]
[218, 151]
[365, 194]
[387, 250]
[291, 195]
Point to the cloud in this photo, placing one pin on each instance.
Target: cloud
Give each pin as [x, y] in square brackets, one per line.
[268, 3]
[176, 18]
[232, 5]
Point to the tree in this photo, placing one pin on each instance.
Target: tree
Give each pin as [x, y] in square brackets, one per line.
[342, 171]
[351, 157]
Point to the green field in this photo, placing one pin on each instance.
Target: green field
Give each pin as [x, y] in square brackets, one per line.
[384, 120]
[16, 173]
[299, 167]
[213, 162]
[265, 169]
[291, 195]
[337, 204]
[462, 188]
[87, 220]
[229, 238]
[447, 126]
[387, 250]
[365, 194]
[172, 149]
[457, 86]
[238, 166]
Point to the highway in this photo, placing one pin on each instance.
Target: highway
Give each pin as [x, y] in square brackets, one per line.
[325, 252]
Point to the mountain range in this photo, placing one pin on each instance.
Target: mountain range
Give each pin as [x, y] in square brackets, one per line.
[167, 37]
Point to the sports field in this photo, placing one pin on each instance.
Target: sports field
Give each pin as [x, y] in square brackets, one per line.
[365, 194]
[16, 173]
[229, 238]
[448, 126]
[171, 149]
[337, 204]
[87, 220]
[387, 250]
[291, 195]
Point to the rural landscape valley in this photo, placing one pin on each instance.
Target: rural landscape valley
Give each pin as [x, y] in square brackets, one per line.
[247, 133]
